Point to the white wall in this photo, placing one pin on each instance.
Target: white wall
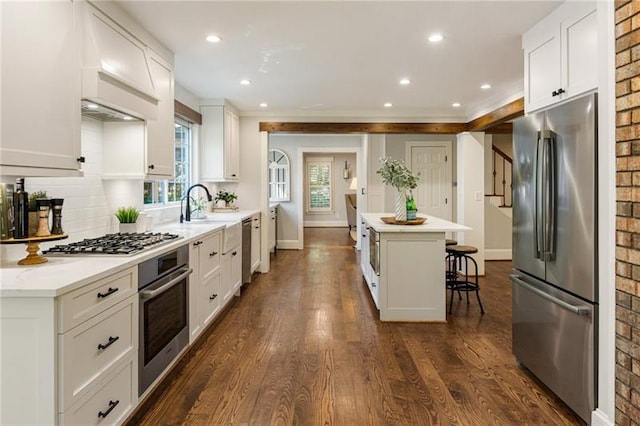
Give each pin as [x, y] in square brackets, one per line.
[470, 174]
[288, 223]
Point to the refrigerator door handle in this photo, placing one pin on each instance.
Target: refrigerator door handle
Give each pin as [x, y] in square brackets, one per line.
[549, 196]
[578, 310]
[538, 243]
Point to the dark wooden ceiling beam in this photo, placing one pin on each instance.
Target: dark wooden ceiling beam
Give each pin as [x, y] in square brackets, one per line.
[493, 122]
[186, 113]
[503, 114]
[314, 127]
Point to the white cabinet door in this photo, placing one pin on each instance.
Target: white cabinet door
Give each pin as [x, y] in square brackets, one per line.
[579, 51]
[256, 236]
[160, 132]
[219, 144]
[236, 269]
[231, 146]
[209, 298]
[41, 89]
[542, 68]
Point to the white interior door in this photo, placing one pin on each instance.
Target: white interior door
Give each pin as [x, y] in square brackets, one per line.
[433, 161]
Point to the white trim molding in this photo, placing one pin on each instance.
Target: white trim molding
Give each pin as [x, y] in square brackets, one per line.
[497, 254]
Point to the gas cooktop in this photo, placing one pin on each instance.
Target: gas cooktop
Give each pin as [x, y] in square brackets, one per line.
[123, 244]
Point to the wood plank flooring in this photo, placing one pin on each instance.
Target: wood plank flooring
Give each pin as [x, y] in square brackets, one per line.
[304, 346]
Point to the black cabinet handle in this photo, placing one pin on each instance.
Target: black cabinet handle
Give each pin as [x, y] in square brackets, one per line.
[257, 227]
[554, 93]
[561, 91]
[197, 243]
[213, 297]
[255, 219]
[80, 159]
[558, 92]
[234, 253]
[213, 253]
[151, 166]
[111, 341]
[112, 405]
[233, 175]
[109, 292]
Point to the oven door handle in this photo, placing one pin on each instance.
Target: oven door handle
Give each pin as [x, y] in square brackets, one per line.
[149, 294]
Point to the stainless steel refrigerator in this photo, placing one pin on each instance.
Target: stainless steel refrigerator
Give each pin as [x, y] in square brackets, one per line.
[555, 298]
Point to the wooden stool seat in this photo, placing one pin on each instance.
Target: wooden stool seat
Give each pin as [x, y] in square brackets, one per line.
[462, 249]
[449, 242]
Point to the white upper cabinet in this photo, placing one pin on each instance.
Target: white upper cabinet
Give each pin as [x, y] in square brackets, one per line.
[219, 144]
[40, 93]
[160, 132]
[560, 55]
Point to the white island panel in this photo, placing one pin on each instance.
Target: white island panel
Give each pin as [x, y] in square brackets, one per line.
[413, 276]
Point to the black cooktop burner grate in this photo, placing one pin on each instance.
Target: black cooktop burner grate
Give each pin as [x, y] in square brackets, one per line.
[113, 244]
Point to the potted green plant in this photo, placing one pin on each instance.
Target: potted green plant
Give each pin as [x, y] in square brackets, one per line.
[397, 174]
[227, 197]
[127, 216]
[33, 210]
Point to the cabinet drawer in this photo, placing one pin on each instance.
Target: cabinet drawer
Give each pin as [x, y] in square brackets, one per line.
[88, 301]
[209, 298]
[110, 403]
[210, 252]
[88, 351]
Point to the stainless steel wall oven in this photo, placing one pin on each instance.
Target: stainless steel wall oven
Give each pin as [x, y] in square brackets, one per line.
[163, 288]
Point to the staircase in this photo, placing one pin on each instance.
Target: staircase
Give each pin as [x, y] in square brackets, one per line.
[502, 166]
[498, 211]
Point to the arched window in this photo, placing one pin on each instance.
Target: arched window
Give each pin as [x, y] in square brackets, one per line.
[278, 175]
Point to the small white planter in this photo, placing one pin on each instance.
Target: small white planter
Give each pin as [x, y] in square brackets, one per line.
[128, 227]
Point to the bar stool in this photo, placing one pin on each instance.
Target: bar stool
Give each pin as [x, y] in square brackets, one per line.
[451, 272]
[456, 257]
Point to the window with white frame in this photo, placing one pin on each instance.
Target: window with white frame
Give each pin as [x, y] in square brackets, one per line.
[278, 163]
[168, 191]
[319, 179]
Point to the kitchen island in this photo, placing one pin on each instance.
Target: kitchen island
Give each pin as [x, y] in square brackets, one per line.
[404, 267]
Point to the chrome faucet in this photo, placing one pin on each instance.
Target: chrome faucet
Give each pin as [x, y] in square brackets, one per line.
[187, 215]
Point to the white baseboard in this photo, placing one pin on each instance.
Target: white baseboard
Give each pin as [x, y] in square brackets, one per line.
[600, 418]
[289, 245]
[325, 223]
[497, 254]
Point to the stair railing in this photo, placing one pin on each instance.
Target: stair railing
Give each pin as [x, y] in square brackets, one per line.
[500, 158]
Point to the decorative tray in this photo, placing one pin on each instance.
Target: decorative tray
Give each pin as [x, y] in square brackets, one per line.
[393, 221]
[225, 209]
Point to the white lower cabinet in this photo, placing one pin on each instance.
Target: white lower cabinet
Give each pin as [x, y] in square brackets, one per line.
[63, 359]
[209, 298]
[231, 273]
[111, 400]
[205, 283]
[95, 346]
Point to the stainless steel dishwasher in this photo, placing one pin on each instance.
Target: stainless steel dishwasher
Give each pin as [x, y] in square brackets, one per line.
[246, 251]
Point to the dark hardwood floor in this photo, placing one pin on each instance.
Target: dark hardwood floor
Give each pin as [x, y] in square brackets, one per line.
[303, 345]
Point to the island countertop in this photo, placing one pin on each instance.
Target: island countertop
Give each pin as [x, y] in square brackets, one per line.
[432, 224]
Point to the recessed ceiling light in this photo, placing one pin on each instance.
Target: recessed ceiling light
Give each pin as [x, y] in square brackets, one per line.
[263, 105]
[92, 106]
[245, 82]
[405, 81]
[456, 104]
[126, 117]
[435, 37]
[214, 38]
[485, 86]
[388, 105]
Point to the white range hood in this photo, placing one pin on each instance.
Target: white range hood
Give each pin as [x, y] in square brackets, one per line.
[115, 67]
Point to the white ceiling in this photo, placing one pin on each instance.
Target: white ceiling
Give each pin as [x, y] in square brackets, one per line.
[337, 58]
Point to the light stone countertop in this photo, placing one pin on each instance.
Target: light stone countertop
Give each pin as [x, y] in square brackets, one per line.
[433, 224]
[64, 274]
